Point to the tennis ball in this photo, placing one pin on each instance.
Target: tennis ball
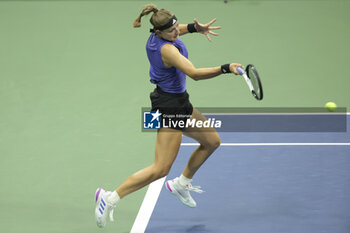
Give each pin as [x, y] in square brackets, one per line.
[331, 106]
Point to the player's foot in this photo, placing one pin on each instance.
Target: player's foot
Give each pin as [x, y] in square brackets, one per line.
[182, 192]
[103, 208]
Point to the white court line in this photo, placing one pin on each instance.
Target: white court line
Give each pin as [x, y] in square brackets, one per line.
[154, 188]
[147, 206]
[279, 144]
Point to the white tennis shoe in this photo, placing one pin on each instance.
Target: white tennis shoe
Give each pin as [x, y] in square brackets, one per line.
[183, 192]
[103, 208]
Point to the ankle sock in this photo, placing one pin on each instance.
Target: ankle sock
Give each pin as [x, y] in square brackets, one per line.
[184, 181]
[113, 198]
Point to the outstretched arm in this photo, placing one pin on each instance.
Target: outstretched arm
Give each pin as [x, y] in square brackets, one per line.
[173, 58]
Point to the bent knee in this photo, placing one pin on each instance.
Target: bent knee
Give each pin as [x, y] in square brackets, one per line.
[160, 172]
[216, 142]
[213, 143]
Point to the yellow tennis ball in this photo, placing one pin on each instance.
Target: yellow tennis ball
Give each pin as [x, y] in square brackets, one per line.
[331, 106]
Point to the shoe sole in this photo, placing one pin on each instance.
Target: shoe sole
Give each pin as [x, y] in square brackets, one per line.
[176, 193]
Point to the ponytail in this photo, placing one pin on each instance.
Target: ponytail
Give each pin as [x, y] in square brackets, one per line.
[145, 11]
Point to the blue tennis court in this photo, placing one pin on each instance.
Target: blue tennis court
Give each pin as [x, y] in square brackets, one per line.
[264, 182]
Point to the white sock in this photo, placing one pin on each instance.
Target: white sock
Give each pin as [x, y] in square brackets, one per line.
[184, 181]
[113, 198]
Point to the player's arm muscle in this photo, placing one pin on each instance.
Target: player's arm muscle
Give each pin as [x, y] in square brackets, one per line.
[173, 58]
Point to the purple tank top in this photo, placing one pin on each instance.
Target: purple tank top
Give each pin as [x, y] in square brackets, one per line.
[170, 80]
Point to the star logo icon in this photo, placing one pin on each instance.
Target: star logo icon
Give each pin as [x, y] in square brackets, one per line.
[156, 115]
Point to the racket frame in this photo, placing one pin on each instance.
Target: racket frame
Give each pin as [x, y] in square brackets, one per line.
[252, 68]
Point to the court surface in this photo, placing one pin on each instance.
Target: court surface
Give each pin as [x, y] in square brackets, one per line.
[262, 182]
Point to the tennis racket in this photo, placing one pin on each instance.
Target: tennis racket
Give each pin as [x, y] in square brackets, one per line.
[251, 76]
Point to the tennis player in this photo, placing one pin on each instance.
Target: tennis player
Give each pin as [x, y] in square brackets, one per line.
[169, 66]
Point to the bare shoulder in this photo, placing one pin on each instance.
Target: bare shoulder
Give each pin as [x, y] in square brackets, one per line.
[169, 55]
[169, 49]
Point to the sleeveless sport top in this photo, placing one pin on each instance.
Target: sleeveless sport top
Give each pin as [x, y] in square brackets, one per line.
[170, 80]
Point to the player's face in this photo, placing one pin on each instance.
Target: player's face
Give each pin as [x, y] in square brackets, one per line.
[171, 34]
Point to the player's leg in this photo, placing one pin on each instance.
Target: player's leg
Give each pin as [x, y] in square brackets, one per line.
[209, 140]
[167, 146]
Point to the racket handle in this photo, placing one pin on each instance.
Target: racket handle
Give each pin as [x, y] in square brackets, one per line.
[240, 70]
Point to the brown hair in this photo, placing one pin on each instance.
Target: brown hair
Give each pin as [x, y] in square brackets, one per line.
[158, 19]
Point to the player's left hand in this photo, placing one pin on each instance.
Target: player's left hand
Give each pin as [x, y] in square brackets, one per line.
[205, 28]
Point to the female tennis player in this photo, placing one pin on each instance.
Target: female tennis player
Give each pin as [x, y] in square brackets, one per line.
[169, 66]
